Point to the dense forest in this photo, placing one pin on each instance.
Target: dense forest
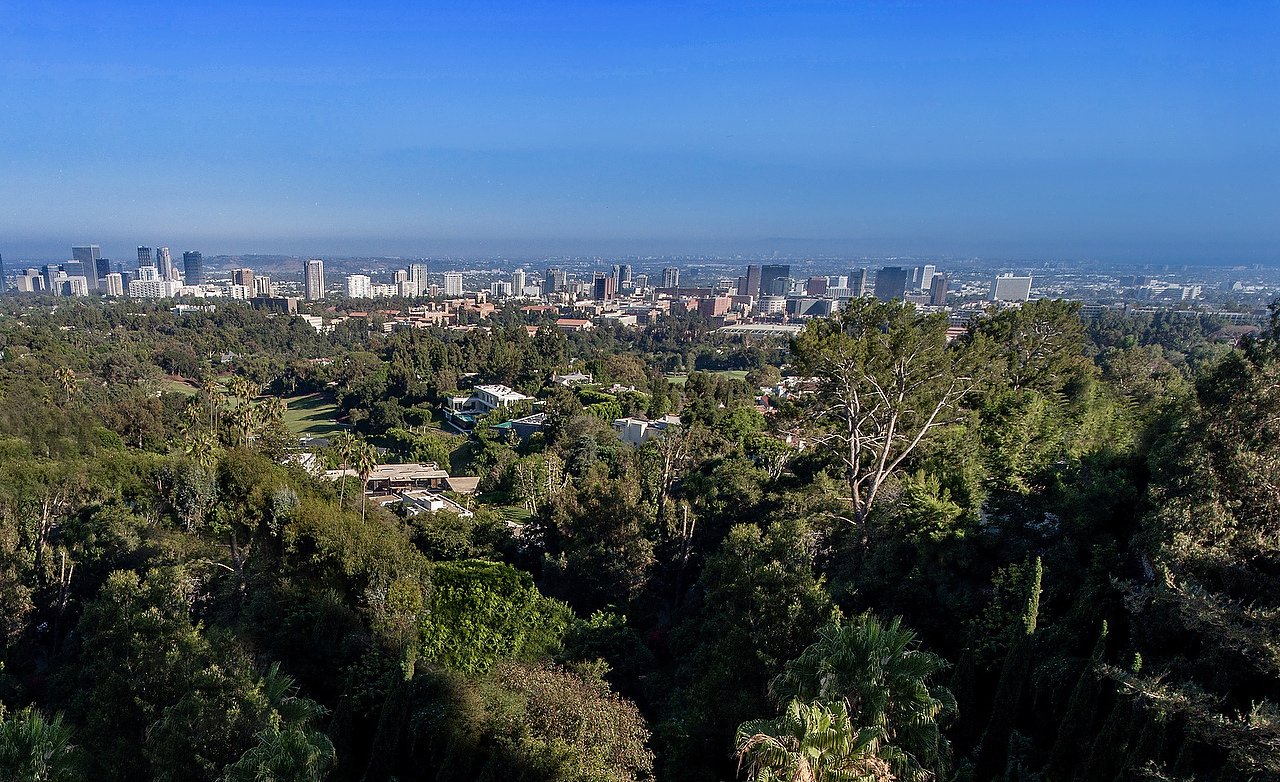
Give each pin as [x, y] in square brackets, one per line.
[1046, 549]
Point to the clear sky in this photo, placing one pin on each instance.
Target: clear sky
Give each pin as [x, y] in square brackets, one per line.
[1140, 131]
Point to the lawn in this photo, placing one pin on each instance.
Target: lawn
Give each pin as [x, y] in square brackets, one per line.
[733, 374]
[173, 385]
[313, 415]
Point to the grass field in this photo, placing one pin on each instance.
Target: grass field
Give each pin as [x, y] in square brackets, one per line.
[173, 386]
[736, 374]
[312, 414]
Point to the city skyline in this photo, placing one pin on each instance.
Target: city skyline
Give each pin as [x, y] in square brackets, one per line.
[1082, 131]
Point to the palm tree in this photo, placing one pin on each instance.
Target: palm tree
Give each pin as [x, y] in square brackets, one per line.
[288, 748]
[345, 444]
[34, 748]
[882, 676]
[201, 447]
[366, 459]
[67, 379]
[811, 742]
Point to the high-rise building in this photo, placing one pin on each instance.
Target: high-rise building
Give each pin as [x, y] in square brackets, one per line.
[1007, 287]
[50, 273]
[603, 286]
[242, 277]
[88, 255]
[114, 284]
[671, 277]
[517, 282]
[102, 267]
[858, 283]
[164, 264]
[261, 284]
[624, 276]
[453, 283]
[144, 256]
[553, 281]
[938, 290]
[313, 279]
[769, 273]
[359, 286]
[641, 281]
[418, 276]
[815, 286]
[193, 267]
[926, 276]
[751, 284]
[891, 283]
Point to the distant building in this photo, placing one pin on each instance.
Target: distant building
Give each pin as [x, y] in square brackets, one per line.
[641, 281]
[242, 277]
[154, 288]
[891, 283]
[261, 284]
[88, 256]
[114, 284]
[603, 286]
[453, 283]
[282, 304]
[671, 277]
[193, 267]
[102, 267]
[750, 285]
[144, 257]
[816, 286]
[164, 264]
[553, 281]
[358, 286]
[938, 290]
[638, 431]
[517, 282]
[770, 274]
[313, 279]
[1007, 287]
[922, 278]
[418, 276]
[622, 277]
[858, 284]
[715, 306]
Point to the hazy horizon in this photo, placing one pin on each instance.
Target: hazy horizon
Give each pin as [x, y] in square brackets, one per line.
[1087, 131]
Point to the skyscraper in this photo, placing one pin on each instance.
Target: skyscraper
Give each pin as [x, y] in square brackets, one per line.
[671, 277]
[164, 264]
[102, 268]
[938, 290]
[926, 276]
[624, 276]
[144, 257]
[453, 283]
[553, 281]
[242, 277]
[768, 274]
[603, 286]
[752, 282]
[193, 267]
[517, 282]
[87, 255]
[858, 283]
[358, 286]
[891, 283]
[1006, 287]
[313, 279]
[418, 276]
[113, 284]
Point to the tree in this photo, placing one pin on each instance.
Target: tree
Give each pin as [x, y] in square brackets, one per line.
[886, 379]
[811, 742]
[35, 749]
[345, 444]
[365, 461]
[881, 674]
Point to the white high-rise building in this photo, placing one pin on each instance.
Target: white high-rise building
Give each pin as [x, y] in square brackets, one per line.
[313, 279]
[261, 285]
[114, 284]
[418, 276]
[926, 276]
[154, 289]
[500, 289]
[671, 277]
[164, 262]
[1006, 287]
[358, 286]
[453, 283]
[517, 282]
[407, 289]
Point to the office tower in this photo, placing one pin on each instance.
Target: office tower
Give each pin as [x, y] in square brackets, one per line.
[815, 286]
[418, 276]
[517, 282]
[891, 283]
[73, 269]
[926, 276]
[641, 281]
[359, 286]
[603, 286]
[624, 276]
[193, 267]
[164, 264]
[50, 274]
[313, 279]
[1006, 287]
[671, 277]
[102, 268]
[858, 283]
[113, 284]
[453, 283]
[768, 274]
[553, 281]
[261, 284]
[87, 255]
[938, 290]
[751, 285]
[242, 277]
[144, 257]
[147, 274]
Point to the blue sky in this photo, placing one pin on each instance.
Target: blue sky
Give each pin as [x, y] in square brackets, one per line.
[1112, 130]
